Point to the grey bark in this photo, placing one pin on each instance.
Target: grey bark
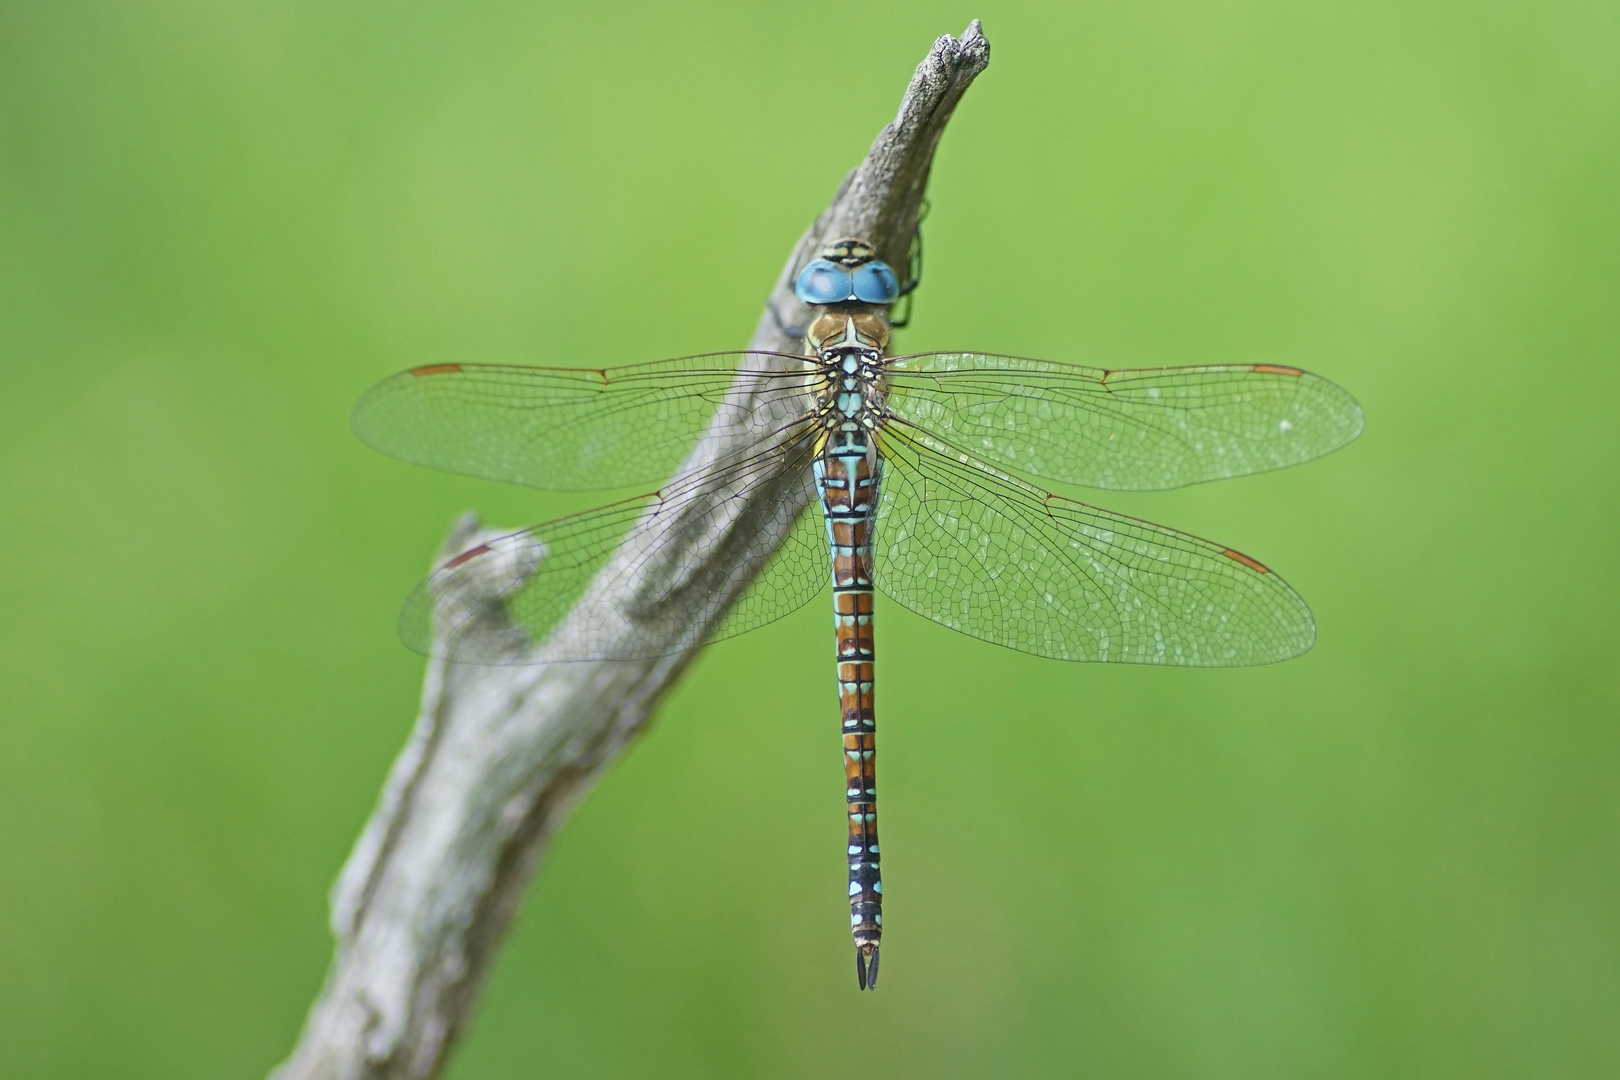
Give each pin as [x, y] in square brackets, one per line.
[500, 755]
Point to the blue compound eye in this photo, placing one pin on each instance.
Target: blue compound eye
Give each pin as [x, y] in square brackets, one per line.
[823, 282]
[875, 283]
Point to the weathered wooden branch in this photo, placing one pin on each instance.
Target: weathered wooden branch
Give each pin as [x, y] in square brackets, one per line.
[500, 755]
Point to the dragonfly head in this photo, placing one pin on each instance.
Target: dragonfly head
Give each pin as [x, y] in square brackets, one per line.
[847, 272]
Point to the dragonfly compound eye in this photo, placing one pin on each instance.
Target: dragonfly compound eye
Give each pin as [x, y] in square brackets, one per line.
[875, 283]
[824, 282]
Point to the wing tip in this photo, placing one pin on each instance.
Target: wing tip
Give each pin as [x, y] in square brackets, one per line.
[465, 556]
[1253, 564]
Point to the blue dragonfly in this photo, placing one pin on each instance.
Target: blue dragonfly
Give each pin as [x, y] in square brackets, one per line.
[917, 464]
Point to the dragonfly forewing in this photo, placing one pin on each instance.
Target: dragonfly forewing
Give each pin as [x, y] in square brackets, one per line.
[565, 429]
[1136, 430]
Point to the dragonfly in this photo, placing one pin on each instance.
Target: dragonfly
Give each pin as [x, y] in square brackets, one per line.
[915, 465]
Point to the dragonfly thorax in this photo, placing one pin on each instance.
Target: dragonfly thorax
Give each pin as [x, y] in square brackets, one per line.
[849, 352]
[862, 330]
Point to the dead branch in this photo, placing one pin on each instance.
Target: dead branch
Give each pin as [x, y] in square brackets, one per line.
[500, 755]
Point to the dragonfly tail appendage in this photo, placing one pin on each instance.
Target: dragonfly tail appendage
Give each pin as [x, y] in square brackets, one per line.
[866, 966]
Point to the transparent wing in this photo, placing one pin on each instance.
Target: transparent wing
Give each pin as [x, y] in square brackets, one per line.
[564, 429]
[800, 571]
[998, 559]
[1133, 430]
[633, 579]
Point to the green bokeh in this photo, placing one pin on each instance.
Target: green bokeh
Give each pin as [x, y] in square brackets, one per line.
[1397, 857]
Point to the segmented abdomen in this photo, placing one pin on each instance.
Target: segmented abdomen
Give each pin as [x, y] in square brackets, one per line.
[847, 480]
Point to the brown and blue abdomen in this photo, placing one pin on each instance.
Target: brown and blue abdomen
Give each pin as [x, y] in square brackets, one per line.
[847, 481]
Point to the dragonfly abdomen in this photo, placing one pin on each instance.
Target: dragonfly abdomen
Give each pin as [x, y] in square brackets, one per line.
[846, 477]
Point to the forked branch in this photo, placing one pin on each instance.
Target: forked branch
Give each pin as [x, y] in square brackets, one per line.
[500, 755]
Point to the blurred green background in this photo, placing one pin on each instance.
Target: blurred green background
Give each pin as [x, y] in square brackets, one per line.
[1398, 856]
